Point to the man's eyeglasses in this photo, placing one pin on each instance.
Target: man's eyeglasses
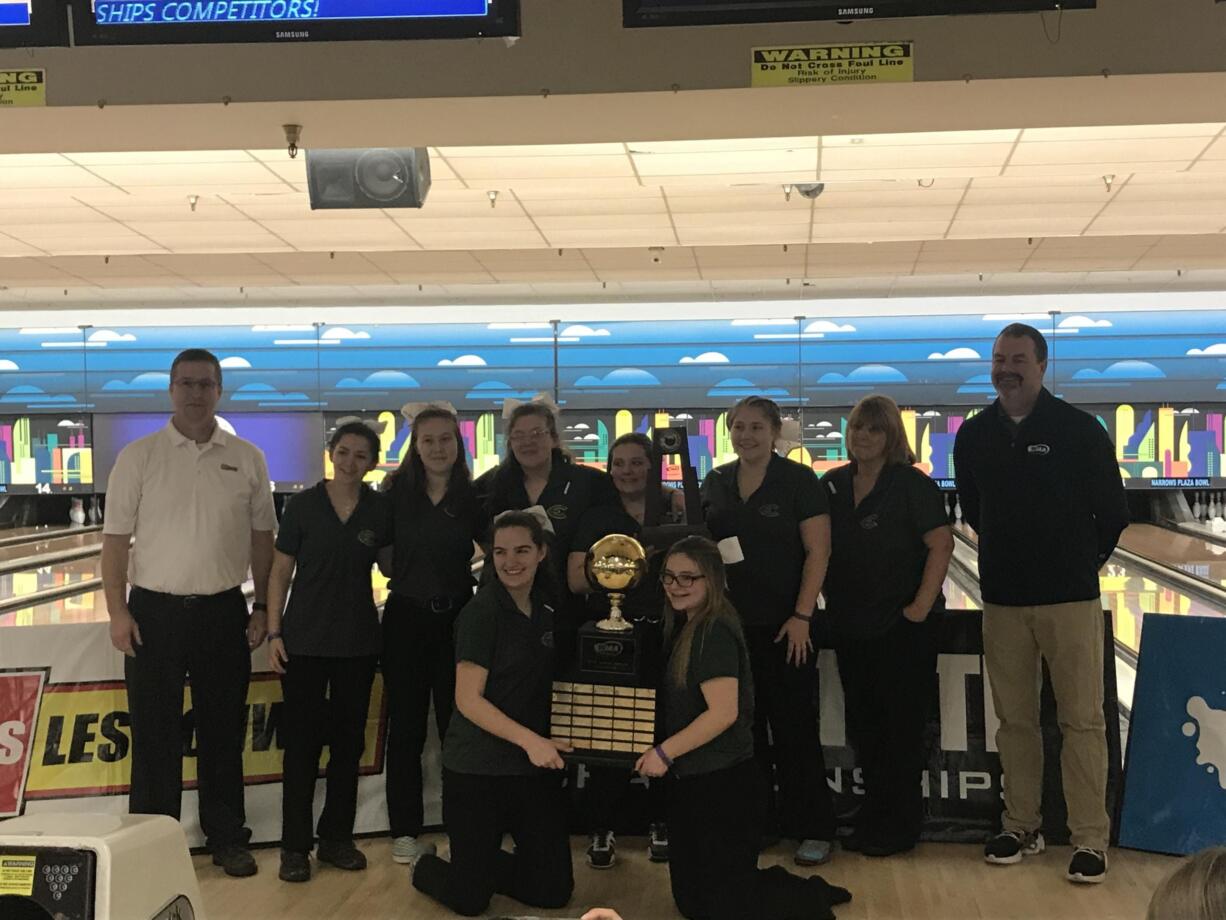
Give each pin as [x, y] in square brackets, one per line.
[681, 579]
[521, 437]
[187, 383]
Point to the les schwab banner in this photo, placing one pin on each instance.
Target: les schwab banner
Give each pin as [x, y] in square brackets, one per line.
[74, 740]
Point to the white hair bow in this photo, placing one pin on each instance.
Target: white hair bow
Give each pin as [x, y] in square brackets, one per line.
[373, 424]
[537, 511]
[789, 436]
[411, 410]
[509, 405]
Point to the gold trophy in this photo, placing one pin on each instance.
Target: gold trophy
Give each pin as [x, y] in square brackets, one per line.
[615, 564]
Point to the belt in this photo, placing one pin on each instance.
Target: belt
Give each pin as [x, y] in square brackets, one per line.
[189, 600]
[440, 603]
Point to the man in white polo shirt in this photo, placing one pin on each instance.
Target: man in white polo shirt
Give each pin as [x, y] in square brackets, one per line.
[198, 503]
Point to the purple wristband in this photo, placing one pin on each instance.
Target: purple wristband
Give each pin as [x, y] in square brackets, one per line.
[668, 761]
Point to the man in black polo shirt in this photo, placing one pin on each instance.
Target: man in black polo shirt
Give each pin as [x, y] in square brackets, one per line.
[1039, 482]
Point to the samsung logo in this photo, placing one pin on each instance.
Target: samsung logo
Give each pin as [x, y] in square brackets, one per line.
[293, 35]
[856, 11]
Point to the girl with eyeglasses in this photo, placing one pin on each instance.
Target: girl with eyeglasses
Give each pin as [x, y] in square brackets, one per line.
[436, 520]
[778, 514]
[501, 772]
[643, 502]
[717, 804]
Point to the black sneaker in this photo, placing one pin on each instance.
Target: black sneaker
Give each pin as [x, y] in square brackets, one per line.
[1089, 867]
[295, 867]
[602, 853]
[342, 855]
[1008, 847]
[657, 848]
[236, 860]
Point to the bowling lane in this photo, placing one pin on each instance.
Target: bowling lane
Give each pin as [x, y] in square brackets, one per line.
[1197, 557]
[18, 584]
[1129, 594]
[40, 547]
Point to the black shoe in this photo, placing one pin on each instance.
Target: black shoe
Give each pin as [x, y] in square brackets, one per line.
[295, 867]
[1008, 847]
[602, 852]
[342, 855]
[1089, 867]
[657, 849]
[881, 847]
[236, 860]
[854, 841]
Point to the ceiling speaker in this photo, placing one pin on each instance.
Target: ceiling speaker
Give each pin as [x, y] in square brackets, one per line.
[382, 177]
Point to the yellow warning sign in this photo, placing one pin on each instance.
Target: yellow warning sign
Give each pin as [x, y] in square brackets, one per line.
[17, 875]
[811, 65]
[23, 87]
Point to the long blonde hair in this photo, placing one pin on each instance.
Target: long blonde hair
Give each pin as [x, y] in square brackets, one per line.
[716, 606]
[1194, 891]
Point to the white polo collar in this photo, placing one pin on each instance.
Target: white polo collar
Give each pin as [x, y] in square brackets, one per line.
[178, 438]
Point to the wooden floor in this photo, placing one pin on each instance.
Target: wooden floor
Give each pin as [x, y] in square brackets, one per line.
[936, 882]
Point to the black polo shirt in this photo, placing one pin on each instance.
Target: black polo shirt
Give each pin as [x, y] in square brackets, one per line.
[571, 490]
[517, 651]
[433, 548]
[719, 650]
[1046, 499]
[877, 552]
[764, 587]
[331, 610]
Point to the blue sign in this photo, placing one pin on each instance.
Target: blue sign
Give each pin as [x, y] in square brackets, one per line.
[150, 12]
[15, 14]
[1175, 775]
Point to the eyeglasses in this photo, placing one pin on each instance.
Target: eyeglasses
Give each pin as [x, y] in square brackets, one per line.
[681, 579]
[521, 437]
[187, 383]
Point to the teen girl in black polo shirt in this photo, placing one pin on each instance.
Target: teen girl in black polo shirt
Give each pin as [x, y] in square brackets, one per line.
[891, 549]
[501, 771]
[326, 646]
[643, 502]
[436, 519]
[716, 798]
[778, 513]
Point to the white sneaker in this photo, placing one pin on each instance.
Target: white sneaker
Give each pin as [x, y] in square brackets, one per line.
[406, 849]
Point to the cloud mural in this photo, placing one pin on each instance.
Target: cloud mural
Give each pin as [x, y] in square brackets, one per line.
[7, 365]
[707, 357]
[1122, 370]
[153, 381]
[106, 336]
[1216, 350]
[867, 374]
[380, 380]
[463, 361]
[497, 391]
[342, 334]
[824, 326]
[739, 388]
[1083, 322]
[26, 394]
[582, 332]
[622, 377]
[956, 354]
[234, 361]
[980, 383]
[262, 392]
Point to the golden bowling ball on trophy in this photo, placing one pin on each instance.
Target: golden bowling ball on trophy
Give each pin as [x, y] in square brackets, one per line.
[615, 564]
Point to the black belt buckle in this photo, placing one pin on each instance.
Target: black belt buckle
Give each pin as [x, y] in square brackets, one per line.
[441, 604]
[191, 600]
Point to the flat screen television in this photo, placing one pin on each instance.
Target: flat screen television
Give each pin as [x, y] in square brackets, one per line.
[160, 22]
[290, 441]
[46, 454]
[32, 24]
[637, 13]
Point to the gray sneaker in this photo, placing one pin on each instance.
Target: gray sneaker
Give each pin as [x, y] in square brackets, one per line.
[813, 853]
[405, 850]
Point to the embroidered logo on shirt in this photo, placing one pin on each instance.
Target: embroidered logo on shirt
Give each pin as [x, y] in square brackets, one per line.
[547, 639]
[227, 467]
[771, 511]
[869, 522]
[1041, 449]
[367, 538]
[557, 512]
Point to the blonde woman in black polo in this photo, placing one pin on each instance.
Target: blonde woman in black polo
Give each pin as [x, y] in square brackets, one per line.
[891, 549]
[501, 772]
[325, 647]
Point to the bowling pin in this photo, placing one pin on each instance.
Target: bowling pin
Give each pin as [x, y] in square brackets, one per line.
[93, 511]
[76, 513]
[957, 509]
[1196, 509]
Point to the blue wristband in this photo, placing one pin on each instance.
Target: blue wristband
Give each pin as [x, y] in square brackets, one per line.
[668, 761]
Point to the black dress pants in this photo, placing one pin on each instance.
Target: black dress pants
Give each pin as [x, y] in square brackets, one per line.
[418, 665]
[604, 795]
[326, 702]
[715, 829]
[478, 810]
[786, 742]
[202, 639]
[889, 682]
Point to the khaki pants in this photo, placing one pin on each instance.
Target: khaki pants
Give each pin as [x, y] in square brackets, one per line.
[1070, 638]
